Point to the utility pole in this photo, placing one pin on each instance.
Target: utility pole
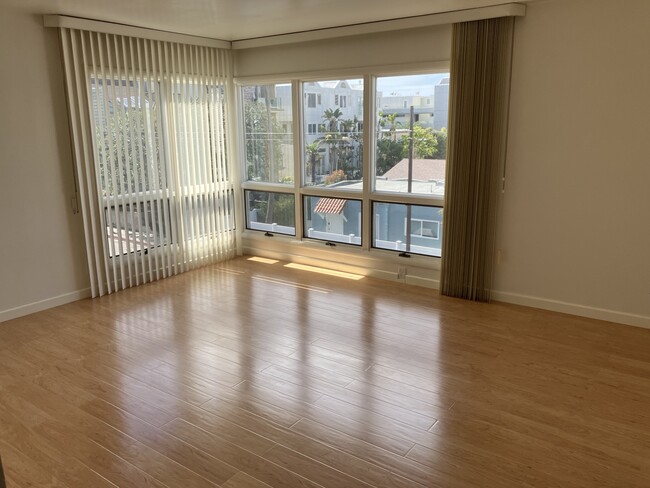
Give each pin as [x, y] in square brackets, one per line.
[410, 182]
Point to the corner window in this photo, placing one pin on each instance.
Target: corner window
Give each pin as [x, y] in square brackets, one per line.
[405, 194]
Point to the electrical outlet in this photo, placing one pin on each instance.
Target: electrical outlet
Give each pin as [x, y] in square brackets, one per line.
[401, 272]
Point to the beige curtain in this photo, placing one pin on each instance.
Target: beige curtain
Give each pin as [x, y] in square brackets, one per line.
[479, 94]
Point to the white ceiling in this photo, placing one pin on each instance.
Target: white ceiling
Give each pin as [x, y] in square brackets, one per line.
[243, 19]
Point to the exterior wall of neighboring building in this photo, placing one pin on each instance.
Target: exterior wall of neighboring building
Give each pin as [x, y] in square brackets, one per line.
[320, 96]
[423, 108]
[389, 224]
[441, 104]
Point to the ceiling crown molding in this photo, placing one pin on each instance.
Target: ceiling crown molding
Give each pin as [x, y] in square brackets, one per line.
[128, 30]
[504, 10]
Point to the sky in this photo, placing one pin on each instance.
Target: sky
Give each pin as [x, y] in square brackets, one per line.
[409, 85]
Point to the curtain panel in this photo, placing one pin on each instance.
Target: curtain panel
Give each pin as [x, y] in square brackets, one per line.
[478, 112]
[148, 124]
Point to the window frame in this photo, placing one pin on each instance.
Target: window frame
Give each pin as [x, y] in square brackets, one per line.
[368, 194]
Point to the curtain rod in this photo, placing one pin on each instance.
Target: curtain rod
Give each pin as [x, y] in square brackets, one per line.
[503, 10]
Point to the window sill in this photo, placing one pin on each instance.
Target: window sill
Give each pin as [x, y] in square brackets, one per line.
[379, 263]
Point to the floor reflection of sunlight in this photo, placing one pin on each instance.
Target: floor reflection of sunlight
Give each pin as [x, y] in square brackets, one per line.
[258, 259]
[329, 272]
[291, 284]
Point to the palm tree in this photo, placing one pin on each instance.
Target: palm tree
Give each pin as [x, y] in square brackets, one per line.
[312, 156]
[388, 120]
[332, 119]
[332, 135]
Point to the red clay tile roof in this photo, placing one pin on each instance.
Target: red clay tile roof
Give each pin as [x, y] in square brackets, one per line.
[332, 206]
[423, 170]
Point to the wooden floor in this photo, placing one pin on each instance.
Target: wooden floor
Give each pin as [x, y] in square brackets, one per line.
[252, 375]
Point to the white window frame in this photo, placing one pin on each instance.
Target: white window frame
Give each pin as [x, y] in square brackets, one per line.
[367, 195]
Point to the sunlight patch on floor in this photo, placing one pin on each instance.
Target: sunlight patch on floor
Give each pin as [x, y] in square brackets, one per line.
[258, 259]
[329, 272]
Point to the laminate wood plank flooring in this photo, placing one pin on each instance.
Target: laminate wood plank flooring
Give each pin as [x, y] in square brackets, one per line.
[255, 375]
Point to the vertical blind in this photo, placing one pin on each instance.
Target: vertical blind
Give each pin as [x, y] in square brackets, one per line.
[478, 125]
[148, 125]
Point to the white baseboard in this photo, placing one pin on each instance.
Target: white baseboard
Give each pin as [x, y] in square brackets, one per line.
[425, 282]
[573, 309]
[73, 296]
[514, 298]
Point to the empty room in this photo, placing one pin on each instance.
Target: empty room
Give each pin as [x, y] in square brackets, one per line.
[311, 243]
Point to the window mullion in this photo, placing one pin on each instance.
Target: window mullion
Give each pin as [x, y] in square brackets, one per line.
[298, 179]
[368, 156]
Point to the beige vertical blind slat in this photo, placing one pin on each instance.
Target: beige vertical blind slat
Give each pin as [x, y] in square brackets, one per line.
[479, 91]
[133, 108]
[206, 201]
[138, 94]
[214, 151]
[146, 120]
[185, 157]
[169, 145]
[102, 122]
[165, 203]
[105, 220]
[211, 179]
[156, 205]
[225, 195]
[190, 140]
[207, 157]
[126, 209]
[75, 110]
[95, 218]
[118, 150]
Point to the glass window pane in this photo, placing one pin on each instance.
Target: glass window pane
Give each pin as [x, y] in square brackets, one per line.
[425, 99]
[127, 116]
[333, 219]
[333, 128]
[271, 212]
[137, 227]
[414, 229]
[268, 127]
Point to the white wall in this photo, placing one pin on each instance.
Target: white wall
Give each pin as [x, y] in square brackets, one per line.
[575, 222]
[42, 254]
